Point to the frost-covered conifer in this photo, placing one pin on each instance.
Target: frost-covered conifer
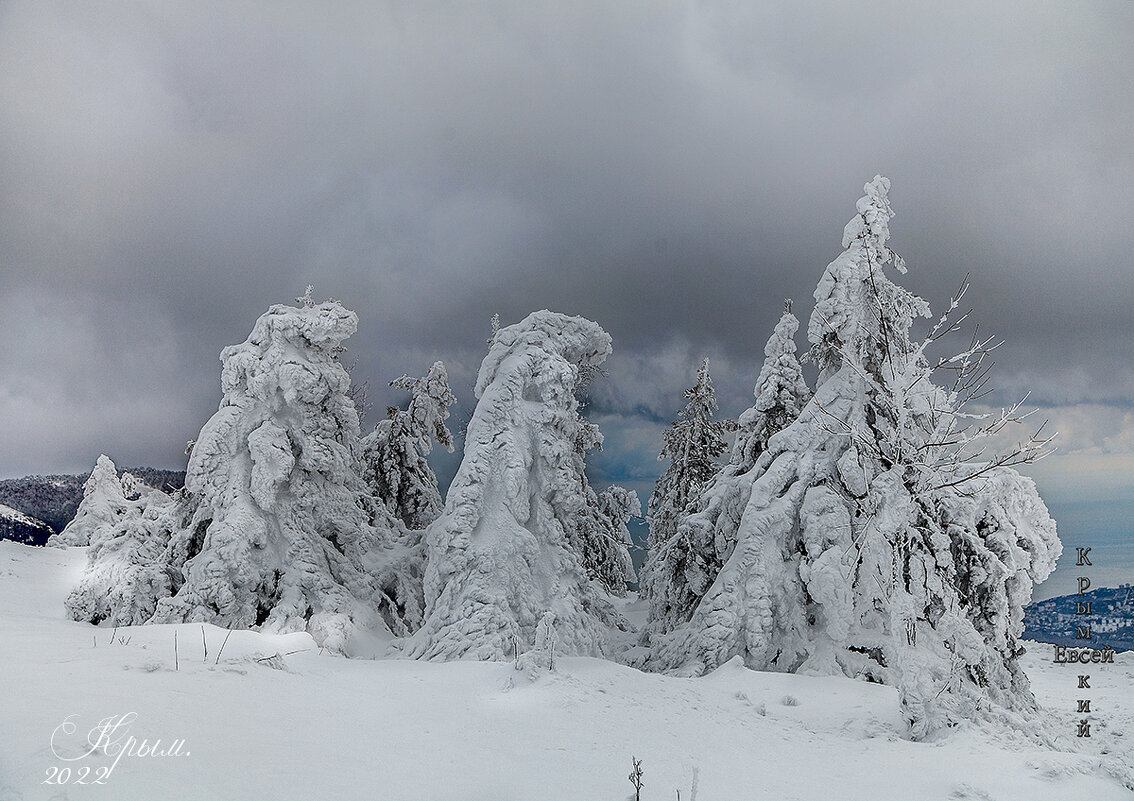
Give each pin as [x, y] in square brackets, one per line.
[692, 445]
[127, 526]
[282, 533]
[682, 565]
[127, 574]
[604, 539]
[780, 394]
[393, 455]
[508, 548]
[598, 532]
[104, 503]
[863, 545]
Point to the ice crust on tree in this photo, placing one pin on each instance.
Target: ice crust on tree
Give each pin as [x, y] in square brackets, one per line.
[393, 454]
[690, 544]
[509, 547]
[857, 549]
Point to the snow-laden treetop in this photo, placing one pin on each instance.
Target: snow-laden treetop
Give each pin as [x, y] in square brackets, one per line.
[871, 225]
[859, 313]
[104, 476]
[289, 360]
[576, 340]
[284, 335]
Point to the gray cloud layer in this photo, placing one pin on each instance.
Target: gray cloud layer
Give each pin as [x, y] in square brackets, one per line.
[671, 170]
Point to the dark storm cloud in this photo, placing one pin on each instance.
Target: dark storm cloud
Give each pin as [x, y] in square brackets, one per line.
[670, 170]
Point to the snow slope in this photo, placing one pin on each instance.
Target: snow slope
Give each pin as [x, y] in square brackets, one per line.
[19, 527]
[8, 513]
[309, 725]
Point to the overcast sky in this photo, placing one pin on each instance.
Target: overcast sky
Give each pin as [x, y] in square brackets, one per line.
[670, 170]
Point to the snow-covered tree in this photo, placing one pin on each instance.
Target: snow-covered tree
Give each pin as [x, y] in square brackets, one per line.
[865, 544]
[393, 455]
[603, 538]
[780, 391]
[127, 526]
[127, 574]
[283, 534]
[691, 549]
[104, 503]
[275, 527]
[692, 444]
[508, 548]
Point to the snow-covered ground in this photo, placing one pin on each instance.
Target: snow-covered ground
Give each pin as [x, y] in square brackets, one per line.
[308, 725]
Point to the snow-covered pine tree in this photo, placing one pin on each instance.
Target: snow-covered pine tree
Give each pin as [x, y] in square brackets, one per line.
[282, 533]
[682, 565]
[126, 574]
[508, 547]
[692, 445]
[780, 391]
[393, 454]
[603, 539]
[104, 503]
[868, 544]
[127, 526]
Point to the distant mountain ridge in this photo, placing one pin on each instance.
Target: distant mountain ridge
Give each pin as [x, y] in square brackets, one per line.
[53, 500]
[1111, 619]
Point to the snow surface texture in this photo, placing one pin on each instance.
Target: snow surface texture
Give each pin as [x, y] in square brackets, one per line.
[267, 716]
[275, 528]
[849, 553]
[681, 567]
[522, 534]
[393, 454]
